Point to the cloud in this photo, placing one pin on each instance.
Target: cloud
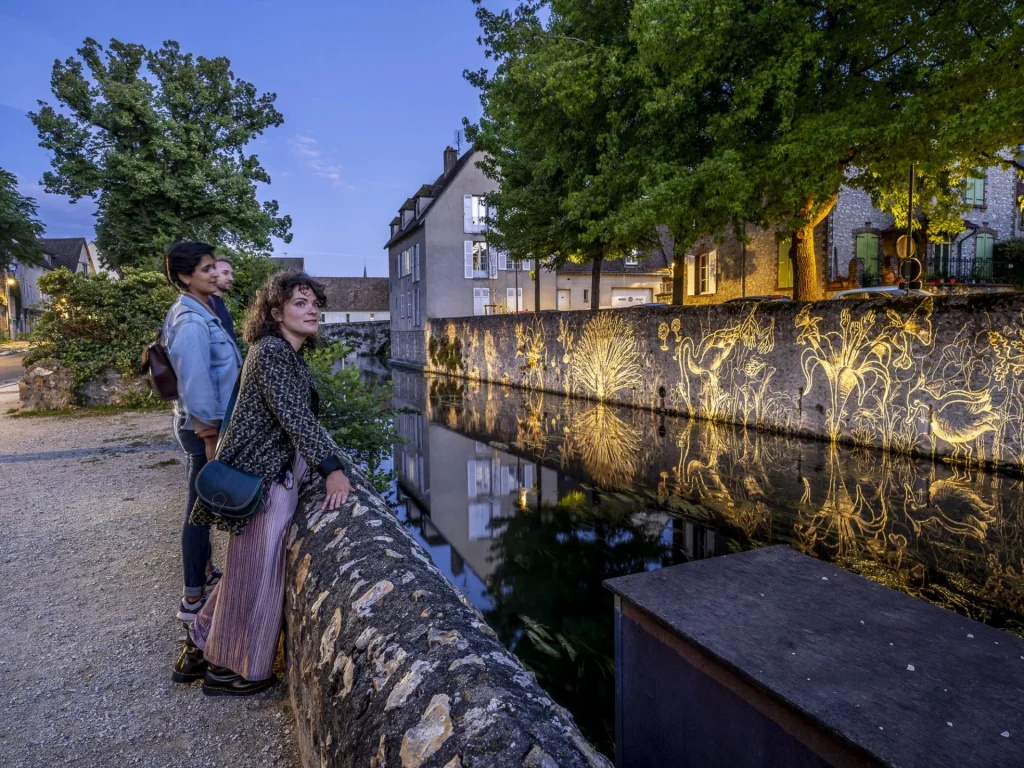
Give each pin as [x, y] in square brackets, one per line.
[315, 160]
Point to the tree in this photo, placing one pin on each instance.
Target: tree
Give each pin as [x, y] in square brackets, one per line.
[789, 100]
[559, 115]
[19, 228]
[158, 138]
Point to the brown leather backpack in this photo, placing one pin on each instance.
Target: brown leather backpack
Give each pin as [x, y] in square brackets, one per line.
[157, 363]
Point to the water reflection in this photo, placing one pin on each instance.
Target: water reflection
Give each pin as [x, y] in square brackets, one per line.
[539, 498]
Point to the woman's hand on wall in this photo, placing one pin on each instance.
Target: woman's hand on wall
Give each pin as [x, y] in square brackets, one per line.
[338, 489]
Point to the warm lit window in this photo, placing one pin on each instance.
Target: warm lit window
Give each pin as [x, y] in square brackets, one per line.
[704, 273]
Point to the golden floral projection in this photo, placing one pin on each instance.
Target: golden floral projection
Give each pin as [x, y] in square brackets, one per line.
[606, 360]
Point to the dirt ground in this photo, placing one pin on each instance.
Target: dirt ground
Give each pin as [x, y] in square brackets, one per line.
[90, 562]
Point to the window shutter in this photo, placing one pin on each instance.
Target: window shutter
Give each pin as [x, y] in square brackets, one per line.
[502, 261]
[519, 301]
[492, 264]
[469, 259]
[416, 263]
[713, 272]
[471, 478]
[510, 299]
[467, 213]
[691, 274]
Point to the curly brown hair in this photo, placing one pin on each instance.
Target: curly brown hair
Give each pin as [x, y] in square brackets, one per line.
[274, 294]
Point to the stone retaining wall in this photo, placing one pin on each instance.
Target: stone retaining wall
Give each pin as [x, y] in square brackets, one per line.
[390, 666]
[366, 338]
[937, 376]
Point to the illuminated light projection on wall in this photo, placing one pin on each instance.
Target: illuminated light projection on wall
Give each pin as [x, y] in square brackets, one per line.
[943, 378]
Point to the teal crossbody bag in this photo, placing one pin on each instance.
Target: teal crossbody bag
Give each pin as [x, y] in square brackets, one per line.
[229, 494]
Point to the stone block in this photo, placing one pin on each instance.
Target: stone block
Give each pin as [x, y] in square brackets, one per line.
[46, 385]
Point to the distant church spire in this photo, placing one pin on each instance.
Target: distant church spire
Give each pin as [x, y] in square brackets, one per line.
[364, 269]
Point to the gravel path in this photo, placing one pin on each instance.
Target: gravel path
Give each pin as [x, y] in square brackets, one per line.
[90, 520]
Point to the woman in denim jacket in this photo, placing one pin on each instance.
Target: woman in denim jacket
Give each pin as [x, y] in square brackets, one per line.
[206, 363]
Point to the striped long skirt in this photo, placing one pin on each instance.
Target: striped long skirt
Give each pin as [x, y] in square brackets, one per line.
[239, 626]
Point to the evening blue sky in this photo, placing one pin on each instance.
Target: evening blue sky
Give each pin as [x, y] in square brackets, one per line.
[371, 92]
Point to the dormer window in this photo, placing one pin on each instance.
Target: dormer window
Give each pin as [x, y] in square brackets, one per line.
[633, 259]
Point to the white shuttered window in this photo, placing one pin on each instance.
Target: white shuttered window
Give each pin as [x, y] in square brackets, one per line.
[513, 302]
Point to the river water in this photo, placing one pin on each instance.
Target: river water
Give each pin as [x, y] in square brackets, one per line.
[529, 501]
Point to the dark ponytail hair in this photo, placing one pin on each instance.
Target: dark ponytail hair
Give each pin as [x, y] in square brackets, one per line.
[182, 259]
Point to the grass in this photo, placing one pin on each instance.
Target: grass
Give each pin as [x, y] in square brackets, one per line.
[82, 413]
[164, 463]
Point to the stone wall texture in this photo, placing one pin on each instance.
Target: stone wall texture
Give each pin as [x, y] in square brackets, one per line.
[366, 338]
[409, 347]
[390, 666]
[939, 376]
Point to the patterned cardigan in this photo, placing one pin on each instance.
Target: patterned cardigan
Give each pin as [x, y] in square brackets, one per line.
[275, 416]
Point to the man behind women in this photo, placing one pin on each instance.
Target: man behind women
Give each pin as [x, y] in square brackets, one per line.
[225, 280]
[206, 362]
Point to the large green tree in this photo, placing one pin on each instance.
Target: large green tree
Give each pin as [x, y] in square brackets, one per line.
[158, 138]
[19, 228]
[558, 123]
[791, 99]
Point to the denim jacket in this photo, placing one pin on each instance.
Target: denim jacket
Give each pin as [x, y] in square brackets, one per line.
[205, 360]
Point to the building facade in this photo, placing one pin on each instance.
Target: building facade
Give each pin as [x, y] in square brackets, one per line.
[355, 299]
[856, 246]
[23, 297]
[440, 263]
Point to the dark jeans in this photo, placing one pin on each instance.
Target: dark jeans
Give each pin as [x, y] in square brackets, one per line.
[195, 539]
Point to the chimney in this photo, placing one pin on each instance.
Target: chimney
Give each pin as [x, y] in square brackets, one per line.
[451, 156]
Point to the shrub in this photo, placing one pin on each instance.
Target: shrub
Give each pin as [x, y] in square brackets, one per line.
[356, 413]
[1008, 258]
[92, 322]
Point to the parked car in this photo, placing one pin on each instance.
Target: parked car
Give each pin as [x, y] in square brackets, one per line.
[879, 292]
[758, 298]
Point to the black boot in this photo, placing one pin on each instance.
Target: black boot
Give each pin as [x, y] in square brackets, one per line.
[190, 665]
[221, 681]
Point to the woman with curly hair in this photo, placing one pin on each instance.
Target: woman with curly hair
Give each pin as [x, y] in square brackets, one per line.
[273, 433]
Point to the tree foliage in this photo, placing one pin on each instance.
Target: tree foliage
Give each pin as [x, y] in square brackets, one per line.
[558, 125]
[158, 138]
[789, 100]
[605, 119]
[93, 322]
[19, 228]
[355, 411]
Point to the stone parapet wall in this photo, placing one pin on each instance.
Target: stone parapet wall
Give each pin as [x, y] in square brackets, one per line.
[939, 376]
[409, 348]
[366, 338]
[390, 666]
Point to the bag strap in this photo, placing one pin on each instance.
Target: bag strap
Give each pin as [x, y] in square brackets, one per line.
[229, 411]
